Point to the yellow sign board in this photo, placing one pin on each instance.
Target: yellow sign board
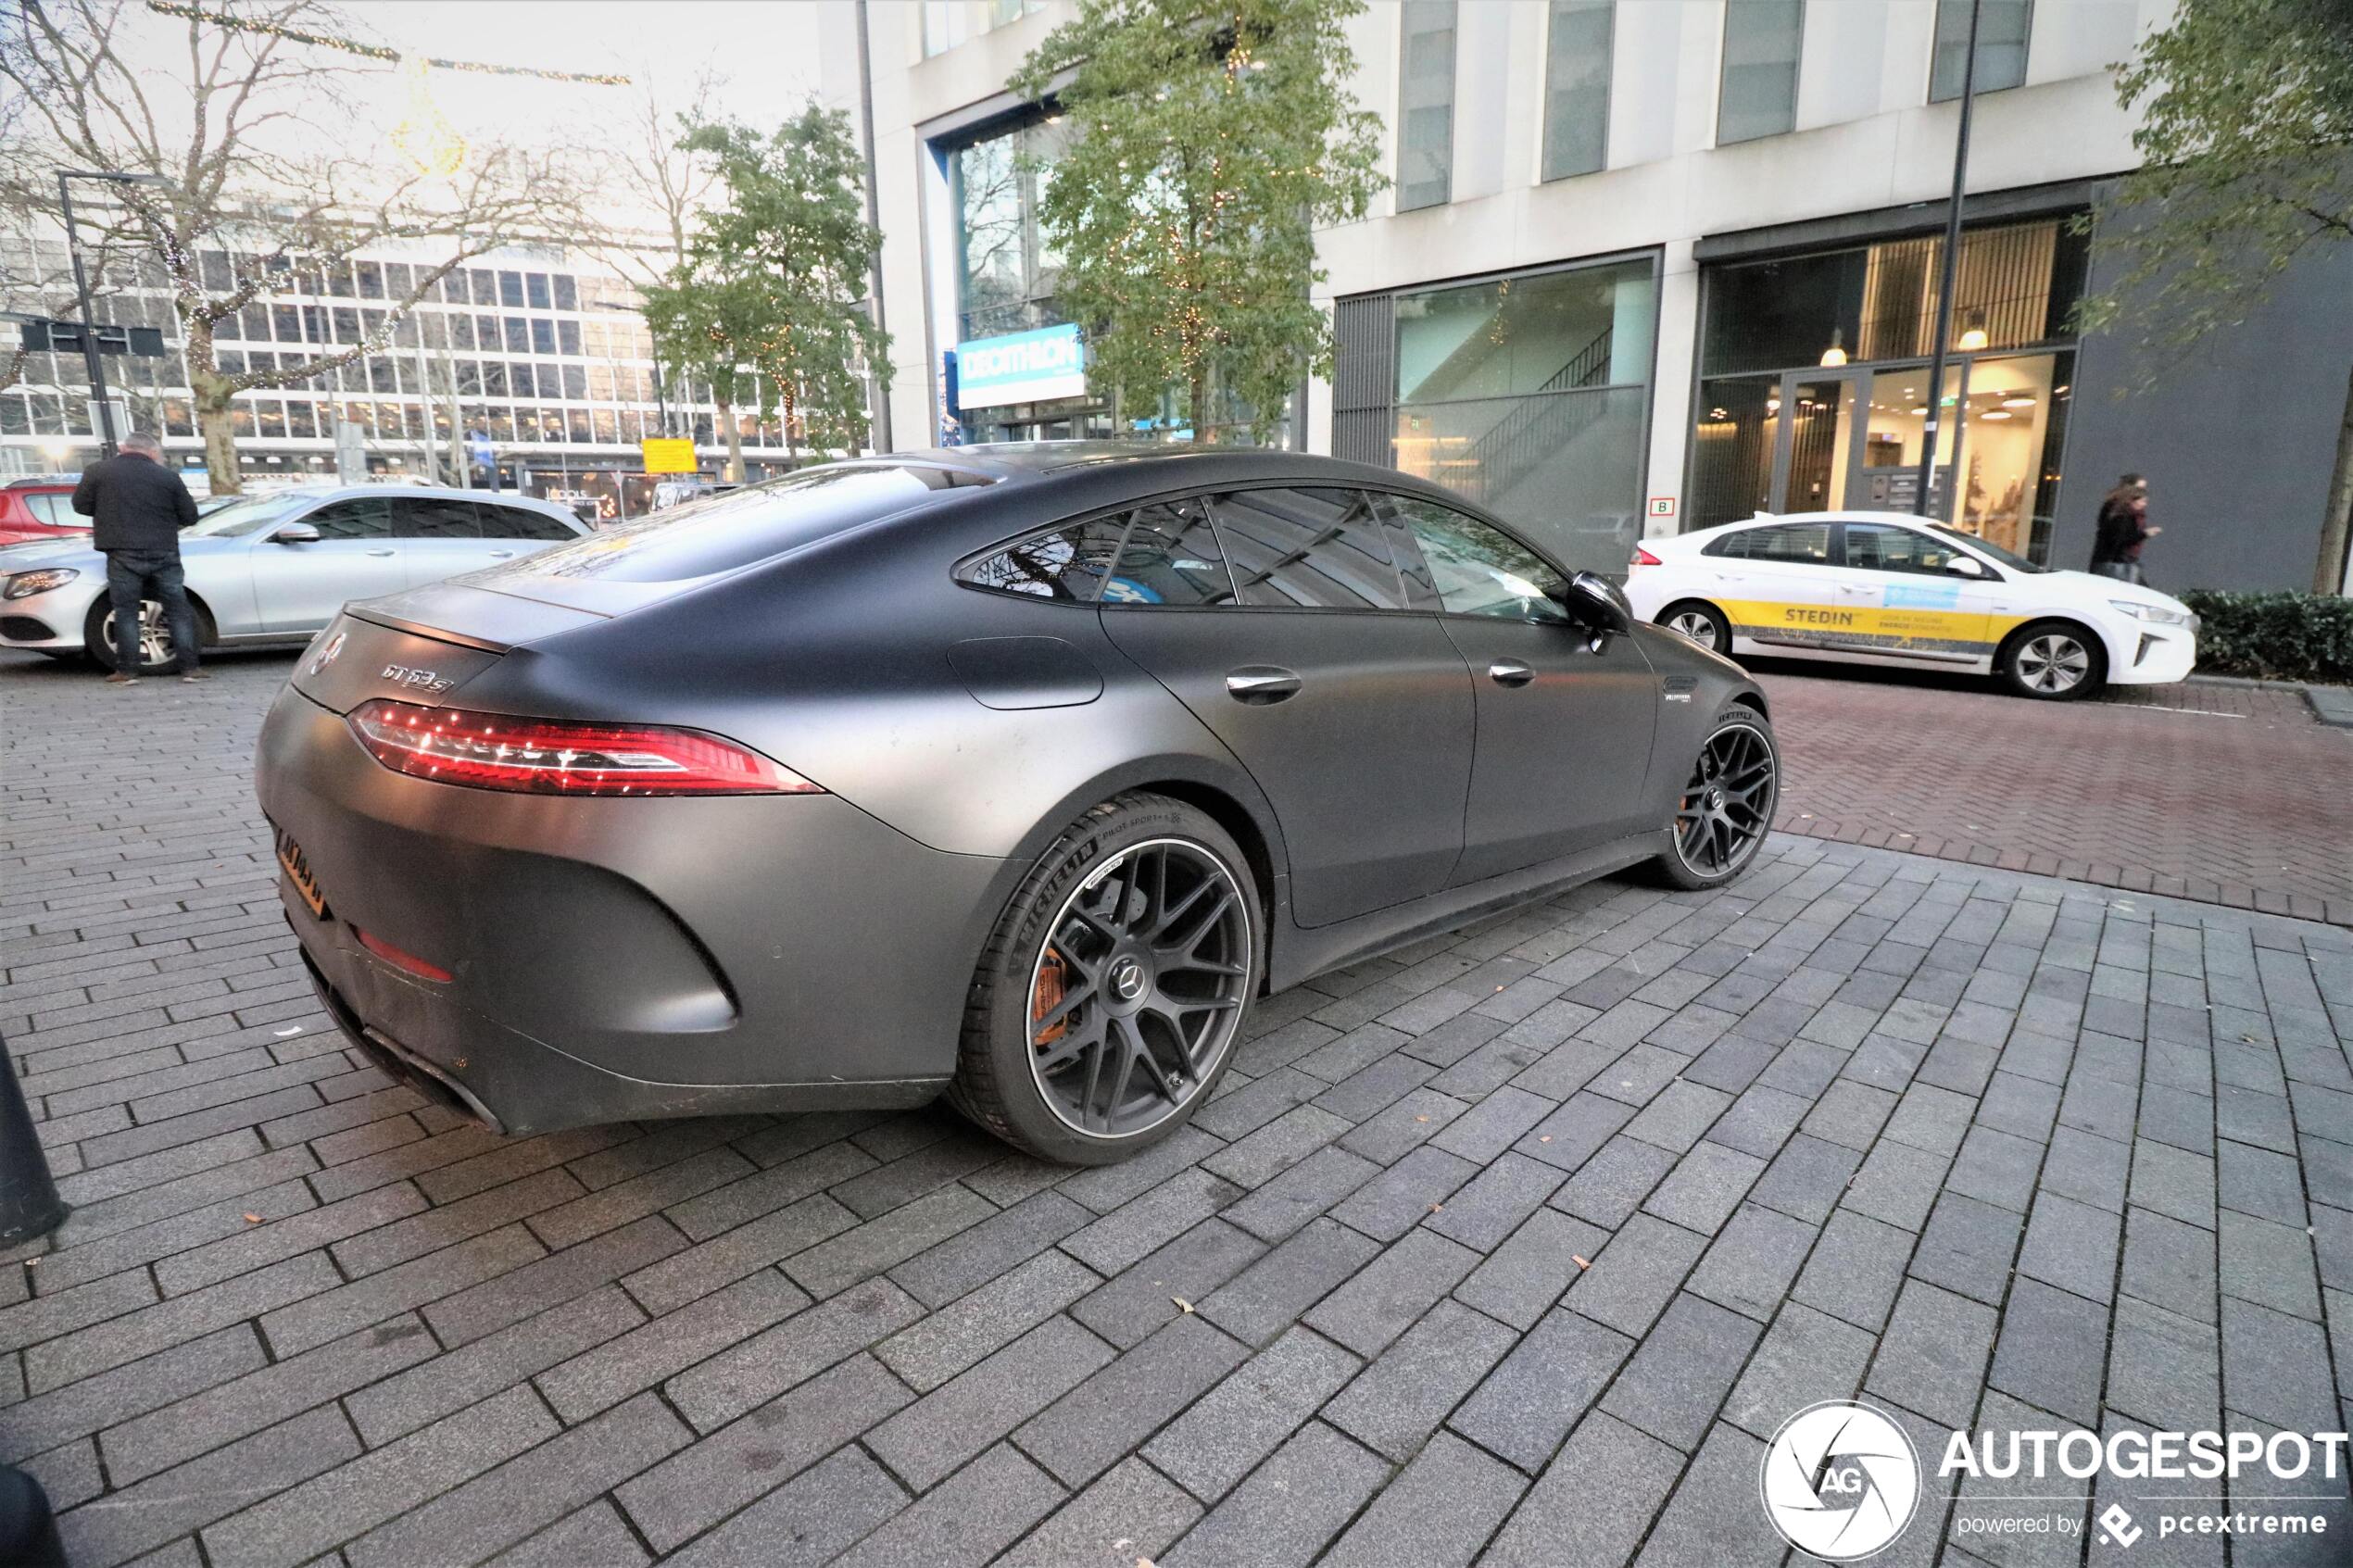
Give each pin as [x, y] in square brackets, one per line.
[669, 455]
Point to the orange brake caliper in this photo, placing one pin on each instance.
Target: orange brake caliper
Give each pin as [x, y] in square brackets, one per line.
[1050, 996]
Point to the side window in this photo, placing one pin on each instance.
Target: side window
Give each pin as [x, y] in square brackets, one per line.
[1735, 545]
[1797, 543]
[1878, 546]
[1170, 558]
[1067, 564]
[367, 519]
[513, 522]
[1308, 549]
[433, 516]
[1478, 571]
[55, 511]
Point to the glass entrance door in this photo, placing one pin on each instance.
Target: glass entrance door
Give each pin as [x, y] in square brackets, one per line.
[1850, 440]
[1815, 452]
[1893, 427]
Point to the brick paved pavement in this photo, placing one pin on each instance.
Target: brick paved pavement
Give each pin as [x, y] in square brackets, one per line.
[2229, 795]
[1987, 1147]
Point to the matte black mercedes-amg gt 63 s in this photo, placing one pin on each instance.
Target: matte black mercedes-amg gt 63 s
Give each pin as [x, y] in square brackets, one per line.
[1011, 772]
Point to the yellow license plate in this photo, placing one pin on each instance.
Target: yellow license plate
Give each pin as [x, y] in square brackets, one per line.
[298, 870]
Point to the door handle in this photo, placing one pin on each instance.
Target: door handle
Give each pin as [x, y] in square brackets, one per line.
[1856, 588]
[502, 555]
[382, 552]
[1510, 672]
[1260, 685]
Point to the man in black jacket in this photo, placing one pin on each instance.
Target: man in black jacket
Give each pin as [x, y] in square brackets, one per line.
[140, 508]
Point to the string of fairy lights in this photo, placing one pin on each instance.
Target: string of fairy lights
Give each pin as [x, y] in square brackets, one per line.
[234, 22]
[425, 136]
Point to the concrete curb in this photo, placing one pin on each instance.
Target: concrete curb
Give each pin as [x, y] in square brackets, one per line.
[2332, 705]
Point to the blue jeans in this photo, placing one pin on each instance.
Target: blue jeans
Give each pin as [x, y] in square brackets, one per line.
[133, 575]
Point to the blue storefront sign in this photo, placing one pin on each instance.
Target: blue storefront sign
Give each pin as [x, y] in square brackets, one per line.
[1032, 367]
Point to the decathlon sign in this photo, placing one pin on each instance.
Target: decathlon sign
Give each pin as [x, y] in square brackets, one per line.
[1031, 367]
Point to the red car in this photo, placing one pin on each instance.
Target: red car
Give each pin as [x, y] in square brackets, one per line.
[39, 509]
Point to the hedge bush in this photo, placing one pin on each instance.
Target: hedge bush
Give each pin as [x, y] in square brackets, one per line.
[2274, 636]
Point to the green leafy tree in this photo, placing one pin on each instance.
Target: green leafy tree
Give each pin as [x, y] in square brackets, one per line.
[767, 302]
[1206, 142]
[2247, 133]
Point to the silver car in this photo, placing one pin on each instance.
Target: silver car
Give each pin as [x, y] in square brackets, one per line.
[275, 566]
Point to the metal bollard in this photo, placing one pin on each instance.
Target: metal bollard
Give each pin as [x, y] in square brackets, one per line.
[30, 1206]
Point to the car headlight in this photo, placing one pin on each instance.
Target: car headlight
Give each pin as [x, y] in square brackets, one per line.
[24, 585]
[2157, 614]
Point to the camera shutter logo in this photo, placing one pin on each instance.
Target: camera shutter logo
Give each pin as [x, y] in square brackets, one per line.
[1839, 1480]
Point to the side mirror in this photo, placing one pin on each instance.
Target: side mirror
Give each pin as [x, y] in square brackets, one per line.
[296, 534]
[1599, 606]
[1966, 566]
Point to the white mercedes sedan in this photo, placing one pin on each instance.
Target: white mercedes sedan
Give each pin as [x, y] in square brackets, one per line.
[1889, 589]
[273, 567]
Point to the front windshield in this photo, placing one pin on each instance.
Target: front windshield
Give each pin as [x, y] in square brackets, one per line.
[1987, 546]
[246, 514]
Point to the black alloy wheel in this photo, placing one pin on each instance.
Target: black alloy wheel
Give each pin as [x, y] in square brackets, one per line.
[1137, 988]
[1726, 806]
[1110, 996]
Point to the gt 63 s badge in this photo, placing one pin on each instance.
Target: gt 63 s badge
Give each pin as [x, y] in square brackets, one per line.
[416, 680]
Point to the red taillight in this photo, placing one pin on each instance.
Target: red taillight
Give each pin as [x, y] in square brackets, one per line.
[399, 959]
[550, 757]
[1642, 558]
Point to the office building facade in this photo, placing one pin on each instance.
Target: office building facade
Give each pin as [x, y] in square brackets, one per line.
[538, 359]
[1651, 265]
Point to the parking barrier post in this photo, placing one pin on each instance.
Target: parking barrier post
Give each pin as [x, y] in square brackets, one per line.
[30, 1206]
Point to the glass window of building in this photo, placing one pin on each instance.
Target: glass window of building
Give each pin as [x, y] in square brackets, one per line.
[1426, 105]
[1009, 269]
[1528, 396]
[1762, 43]
[1579, 38]
[949, 22]
[2002, 28]
[1814, 391]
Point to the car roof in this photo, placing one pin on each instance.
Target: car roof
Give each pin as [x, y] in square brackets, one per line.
[1767, 519]
[344, 492]
[1166, 463]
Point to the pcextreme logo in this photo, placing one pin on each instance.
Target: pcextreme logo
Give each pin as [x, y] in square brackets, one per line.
[1839, 1480]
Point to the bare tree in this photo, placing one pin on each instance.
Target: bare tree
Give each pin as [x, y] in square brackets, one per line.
[663, 182]
[262, 197]
[656, 175]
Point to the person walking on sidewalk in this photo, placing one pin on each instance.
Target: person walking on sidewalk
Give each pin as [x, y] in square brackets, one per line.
[140, 506]
[2124, 529]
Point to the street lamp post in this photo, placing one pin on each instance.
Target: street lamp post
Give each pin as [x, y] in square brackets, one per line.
[90, 357]
[1923, 505]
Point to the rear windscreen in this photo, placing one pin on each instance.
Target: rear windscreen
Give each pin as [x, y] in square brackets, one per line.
[738, 528]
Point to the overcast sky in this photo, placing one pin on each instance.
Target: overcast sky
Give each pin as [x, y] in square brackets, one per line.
[763, 55]
[766, 52]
